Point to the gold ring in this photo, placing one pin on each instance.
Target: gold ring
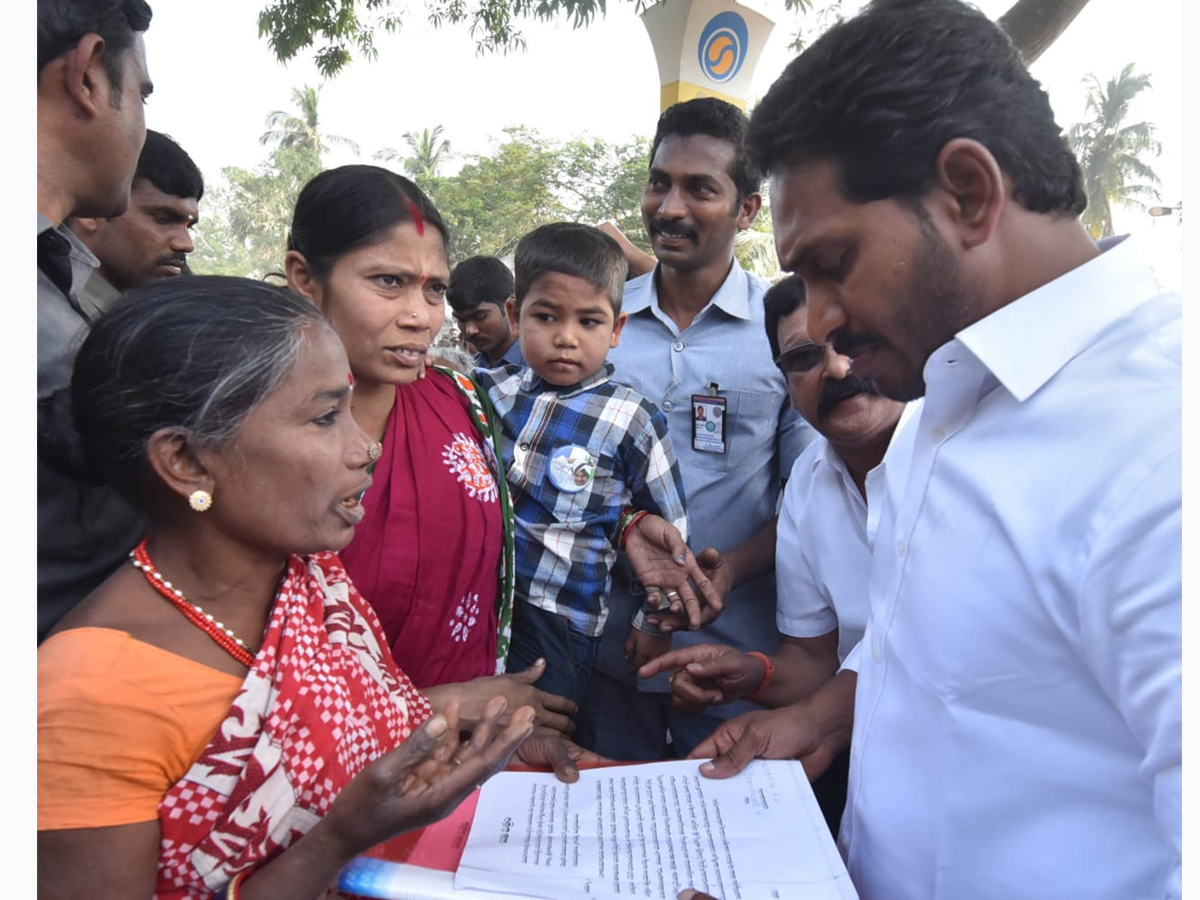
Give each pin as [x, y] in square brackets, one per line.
[375, 451]
[672, 595]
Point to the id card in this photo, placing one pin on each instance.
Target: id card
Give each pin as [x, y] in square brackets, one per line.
[708, 424]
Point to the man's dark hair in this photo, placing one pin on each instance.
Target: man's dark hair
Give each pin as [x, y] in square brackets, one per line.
[571, 248]
[782, 299]
[61, 24]
[480, 279]
[715, 118]
[879, 95]
[167, 166]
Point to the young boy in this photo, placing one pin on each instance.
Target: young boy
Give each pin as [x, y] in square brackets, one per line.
[578, 449]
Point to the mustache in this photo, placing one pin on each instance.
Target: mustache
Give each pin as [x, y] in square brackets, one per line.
[175, 259]
[671, 228]
[834, 392]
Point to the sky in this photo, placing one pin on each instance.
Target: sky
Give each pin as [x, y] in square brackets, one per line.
[216, 80]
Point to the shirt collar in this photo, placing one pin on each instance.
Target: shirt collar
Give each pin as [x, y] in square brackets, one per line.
[79, 250]
[1025, 343]
[512, 355]
[732, 297]
[532, 382]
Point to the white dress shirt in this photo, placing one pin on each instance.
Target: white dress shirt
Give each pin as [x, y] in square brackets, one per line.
[1018, 720]
[823, 547]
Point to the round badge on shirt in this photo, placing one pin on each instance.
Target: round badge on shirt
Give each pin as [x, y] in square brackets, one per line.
[571, 468]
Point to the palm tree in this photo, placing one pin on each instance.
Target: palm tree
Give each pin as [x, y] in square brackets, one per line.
[427, 152]
[1111, 153]
[302, 131]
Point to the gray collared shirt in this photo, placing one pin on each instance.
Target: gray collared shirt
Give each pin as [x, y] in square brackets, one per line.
[84, 529]
[730, 496]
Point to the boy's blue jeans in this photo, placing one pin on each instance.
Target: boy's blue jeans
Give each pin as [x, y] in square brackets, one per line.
[538, 634]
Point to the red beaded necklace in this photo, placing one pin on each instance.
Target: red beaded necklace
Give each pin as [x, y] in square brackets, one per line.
[224, 637]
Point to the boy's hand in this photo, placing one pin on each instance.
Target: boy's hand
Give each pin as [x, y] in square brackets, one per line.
[696, 614]
[641, 647]
[660, 557]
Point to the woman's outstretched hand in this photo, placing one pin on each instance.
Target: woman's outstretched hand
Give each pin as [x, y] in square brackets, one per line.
[563, 756]
[426, 777]
[550, 711]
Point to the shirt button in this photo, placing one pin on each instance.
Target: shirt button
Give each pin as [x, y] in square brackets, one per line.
[939, 433]
[667, 406]
[875, 653]
[525, 446]
[901, 547]
[677, 346]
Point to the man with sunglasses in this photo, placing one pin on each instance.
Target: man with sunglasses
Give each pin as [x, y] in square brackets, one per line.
[822, 565]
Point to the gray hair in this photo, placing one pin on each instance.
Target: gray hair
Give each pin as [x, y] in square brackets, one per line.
[198, 354]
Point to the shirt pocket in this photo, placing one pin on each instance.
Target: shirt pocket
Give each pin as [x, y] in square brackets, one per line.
[749, 421]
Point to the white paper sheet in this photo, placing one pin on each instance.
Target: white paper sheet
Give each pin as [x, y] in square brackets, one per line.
[648, 831]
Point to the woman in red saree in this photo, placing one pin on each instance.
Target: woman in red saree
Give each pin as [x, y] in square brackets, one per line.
[433, 554]
[222, 716]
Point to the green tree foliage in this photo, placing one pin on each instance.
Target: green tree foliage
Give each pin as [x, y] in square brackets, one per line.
[343, 27]
[601, 181]
[427, 151]
[245, 224]
[290, 130]
[1113, 152]
[489, 204]
[494, 200]
[529, 180]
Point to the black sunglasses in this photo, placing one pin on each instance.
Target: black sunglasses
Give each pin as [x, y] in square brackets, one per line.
[800, 359]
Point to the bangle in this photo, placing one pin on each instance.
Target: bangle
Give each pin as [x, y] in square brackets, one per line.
[766, 679]
[623, 532]
[627, 515]
[230, 891]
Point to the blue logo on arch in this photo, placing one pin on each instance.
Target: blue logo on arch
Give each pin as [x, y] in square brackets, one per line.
[723, 45]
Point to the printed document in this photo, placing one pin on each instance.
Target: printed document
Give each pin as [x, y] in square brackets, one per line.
[648, 831]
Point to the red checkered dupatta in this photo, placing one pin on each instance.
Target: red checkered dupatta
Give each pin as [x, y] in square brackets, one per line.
[323, 699]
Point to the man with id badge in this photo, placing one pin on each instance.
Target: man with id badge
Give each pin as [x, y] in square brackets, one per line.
[694, 344]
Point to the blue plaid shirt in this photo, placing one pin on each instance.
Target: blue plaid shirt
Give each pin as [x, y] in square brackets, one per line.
[564, 533]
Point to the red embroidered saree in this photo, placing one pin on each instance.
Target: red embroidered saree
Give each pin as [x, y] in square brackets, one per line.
[429, 554]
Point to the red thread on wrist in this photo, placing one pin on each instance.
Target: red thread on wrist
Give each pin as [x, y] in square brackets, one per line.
[767, 675]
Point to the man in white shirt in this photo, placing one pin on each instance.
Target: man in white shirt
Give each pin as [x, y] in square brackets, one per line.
[822, 560]
[1018, 709]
